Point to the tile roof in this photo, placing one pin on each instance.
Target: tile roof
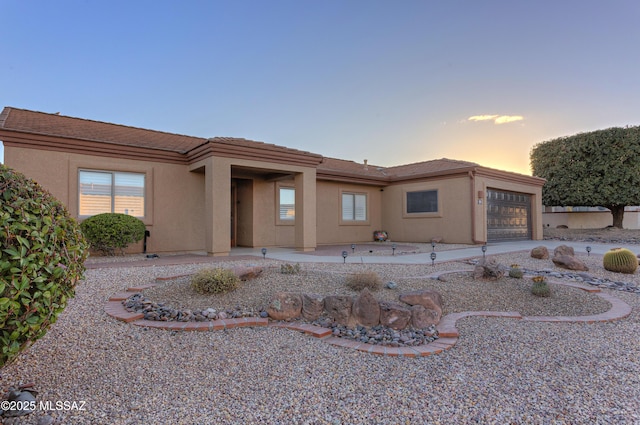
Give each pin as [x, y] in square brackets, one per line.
[434, 166]
[47, 124]
[343, 166]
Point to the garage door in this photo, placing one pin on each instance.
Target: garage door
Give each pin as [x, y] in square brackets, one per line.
[508, 216]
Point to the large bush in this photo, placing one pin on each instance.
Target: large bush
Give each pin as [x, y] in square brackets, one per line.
[41, 261]
[108, 231]
[214, 281]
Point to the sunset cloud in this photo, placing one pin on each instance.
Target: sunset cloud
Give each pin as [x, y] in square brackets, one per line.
[497, 119]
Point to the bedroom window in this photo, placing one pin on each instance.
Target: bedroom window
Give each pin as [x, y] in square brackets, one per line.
[354, 207]
[111, 192]
[424, 201]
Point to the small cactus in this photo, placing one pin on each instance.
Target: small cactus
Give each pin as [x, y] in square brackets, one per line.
[515, 271]
[620, 260]
[540, 287]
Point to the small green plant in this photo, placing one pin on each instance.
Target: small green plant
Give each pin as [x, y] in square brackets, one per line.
[110, 231]
[214, 281]
[42, 253]
[358, 281]
[515, 271]
[288, 268]
[540, 287]
[620, 260]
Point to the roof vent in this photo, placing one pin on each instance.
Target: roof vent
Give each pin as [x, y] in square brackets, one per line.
[366, 167]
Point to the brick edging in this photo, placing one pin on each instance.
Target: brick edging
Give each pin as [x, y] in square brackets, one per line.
[447, 330]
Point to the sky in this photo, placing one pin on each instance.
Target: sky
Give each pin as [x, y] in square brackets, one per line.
[393, 82]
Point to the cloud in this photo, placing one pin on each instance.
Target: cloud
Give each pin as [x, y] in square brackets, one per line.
[497, 119]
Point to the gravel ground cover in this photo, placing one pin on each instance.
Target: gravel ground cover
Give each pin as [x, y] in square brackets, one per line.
[500, 371]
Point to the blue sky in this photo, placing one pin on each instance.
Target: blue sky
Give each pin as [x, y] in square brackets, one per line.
[393, 82]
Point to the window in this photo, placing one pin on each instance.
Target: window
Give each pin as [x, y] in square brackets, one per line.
[287, 200]
[424, 201]
[354, 207]
[106, 192]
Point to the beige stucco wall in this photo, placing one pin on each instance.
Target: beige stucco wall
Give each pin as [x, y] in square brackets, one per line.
[174, 203]
[482, 183]
[452, 222]
[589, 220]
[331, 228]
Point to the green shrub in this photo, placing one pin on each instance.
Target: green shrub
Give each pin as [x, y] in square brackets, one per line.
[42, 253]
[108, 231]
[620, 260]
[358, 281]
[540, 287]
[214, 281]
[290, 268]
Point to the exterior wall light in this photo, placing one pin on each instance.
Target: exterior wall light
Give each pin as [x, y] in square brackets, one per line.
[344, 256]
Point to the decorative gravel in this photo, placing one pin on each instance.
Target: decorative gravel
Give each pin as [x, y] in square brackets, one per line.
[460, 291]
[500, 371]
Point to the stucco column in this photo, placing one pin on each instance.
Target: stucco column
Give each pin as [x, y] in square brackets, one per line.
[218, 206]
[305, 227]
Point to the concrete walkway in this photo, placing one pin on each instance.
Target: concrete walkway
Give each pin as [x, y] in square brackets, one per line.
[290, 255]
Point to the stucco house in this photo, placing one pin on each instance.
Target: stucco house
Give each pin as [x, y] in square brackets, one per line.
[197, 194]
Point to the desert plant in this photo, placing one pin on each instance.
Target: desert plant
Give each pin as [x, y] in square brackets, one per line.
[290, 268]
[620, 260]
[108, 231]
[214, 281]
[358, 281]
[515, 271]
[540, 287]
[41, 261]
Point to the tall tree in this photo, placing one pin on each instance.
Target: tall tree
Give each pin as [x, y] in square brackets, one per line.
[598, 168]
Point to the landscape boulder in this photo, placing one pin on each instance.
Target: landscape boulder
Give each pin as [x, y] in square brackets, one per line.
[428, 298]
[540, 252]
[394, 315]
[569, 262]
[312, 306]
[564, 250]
[338, 307]
[285, 306]
[488, 268]
[366, 309]
[422, 317]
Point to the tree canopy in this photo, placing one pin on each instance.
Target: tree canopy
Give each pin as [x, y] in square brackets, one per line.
[598, 168]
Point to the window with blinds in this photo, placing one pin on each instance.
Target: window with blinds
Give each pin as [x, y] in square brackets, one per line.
[108, 192]
[424, 201]
[287, 203]
[354, 207]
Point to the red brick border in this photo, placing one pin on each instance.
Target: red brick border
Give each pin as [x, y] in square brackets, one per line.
[447, 331]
